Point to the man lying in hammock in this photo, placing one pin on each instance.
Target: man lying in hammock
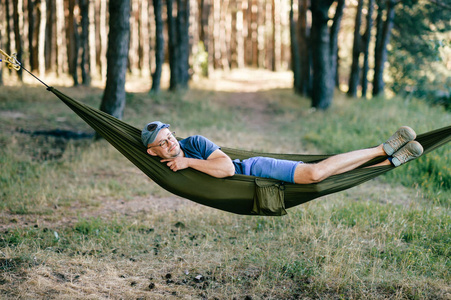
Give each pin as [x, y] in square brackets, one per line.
[199, 153]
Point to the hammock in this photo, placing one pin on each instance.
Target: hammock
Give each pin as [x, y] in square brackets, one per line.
[240, 194]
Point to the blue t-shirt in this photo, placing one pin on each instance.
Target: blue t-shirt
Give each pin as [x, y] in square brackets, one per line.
[197, 146]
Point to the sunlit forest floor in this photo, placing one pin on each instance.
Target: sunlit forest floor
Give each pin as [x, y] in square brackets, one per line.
[78, 221]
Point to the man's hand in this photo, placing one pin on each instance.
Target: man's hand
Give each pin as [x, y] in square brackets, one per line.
[218, 164]
[176, 163]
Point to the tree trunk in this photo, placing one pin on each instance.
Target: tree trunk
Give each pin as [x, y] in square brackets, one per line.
[277, 39]
[103, 38]
[84, 42]
[17, 9]
[239, 36]
[356, 50]
[41, 41]
[144, 40]
[295, 57]
[92, 38]
[113, 101]
[334, 40]
[304, 49]
[50, 37]
[73, 40]
[173, 53]
[366, 46]
[323, 85]
[31, 40]
[61, 62]
[9, 28]
[183, 42]
[381, 51]
[159, 46]
[133, 58]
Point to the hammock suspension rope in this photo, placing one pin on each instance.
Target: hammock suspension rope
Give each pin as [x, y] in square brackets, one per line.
[13, 64]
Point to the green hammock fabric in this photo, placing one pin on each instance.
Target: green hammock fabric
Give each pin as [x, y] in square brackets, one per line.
[233, 194]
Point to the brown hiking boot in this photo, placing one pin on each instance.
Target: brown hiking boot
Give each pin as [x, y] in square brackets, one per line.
[401, 137]
[410, 151]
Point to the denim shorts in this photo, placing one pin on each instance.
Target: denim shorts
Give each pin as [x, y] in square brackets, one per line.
[267, 167]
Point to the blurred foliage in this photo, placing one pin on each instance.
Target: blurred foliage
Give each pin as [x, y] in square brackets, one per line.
[420, 53]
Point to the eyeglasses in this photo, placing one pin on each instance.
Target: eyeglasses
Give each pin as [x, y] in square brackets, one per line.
[164, 143]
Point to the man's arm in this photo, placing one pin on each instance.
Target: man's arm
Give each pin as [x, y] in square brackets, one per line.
[218, 164]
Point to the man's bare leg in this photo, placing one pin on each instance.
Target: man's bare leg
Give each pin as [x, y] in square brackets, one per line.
[337, 164]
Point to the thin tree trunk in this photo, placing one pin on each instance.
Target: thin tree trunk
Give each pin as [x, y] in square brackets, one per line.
[10, 44]
[17, 9]
[305, 51]
[144, 41]
[295, 54]
[103, 38]
[41, 42]
[183, 42]
[113, 101]
[173, 54]
[92, 38]
[239, 36]
[84, 41]
[381, 51]
[366, 46]
[223, 34]
[356, 50]
[334, 40]
[277, 40]
[216, 40]
[50, 38]
[61, 49]
[73, 40]
[323, 85]
[31, 36]
[134, 37]
[159, 46]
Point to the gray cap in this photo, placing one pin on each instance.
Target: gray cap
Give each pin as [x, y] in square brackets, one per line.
[150, 132]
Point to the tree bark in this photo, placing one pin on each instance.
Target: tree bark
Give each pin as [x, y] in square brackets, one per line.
[113, 101]
[334, 40]
[366, 46]
[31, 37]
[381, 50]
[356, 50]
[92, 38]
[61, 62]
[73, 40]
[295, 54]
[173, 53]
[17, 8]
[84, 42]
[304, 49]
[159, 46]
[41, 40]
[323, 86]
[103, 38]
[183, 42]
[144, 41]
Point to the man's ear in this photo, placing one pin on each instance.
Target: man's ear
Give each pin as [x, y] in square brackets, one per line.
[151, 152]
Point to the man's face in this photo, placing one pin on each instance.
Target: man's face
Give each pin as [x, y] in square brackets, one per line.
[165, 145]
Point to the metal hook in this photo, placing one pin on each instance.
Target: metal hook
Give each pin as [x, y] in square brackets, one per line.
[11, 61]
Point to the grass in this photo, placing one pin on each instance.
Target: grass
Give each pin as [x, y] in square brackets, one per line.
[78, 221]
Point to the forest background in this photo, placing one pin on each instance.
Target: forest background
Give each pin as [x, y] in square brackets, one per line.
[356, 46]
